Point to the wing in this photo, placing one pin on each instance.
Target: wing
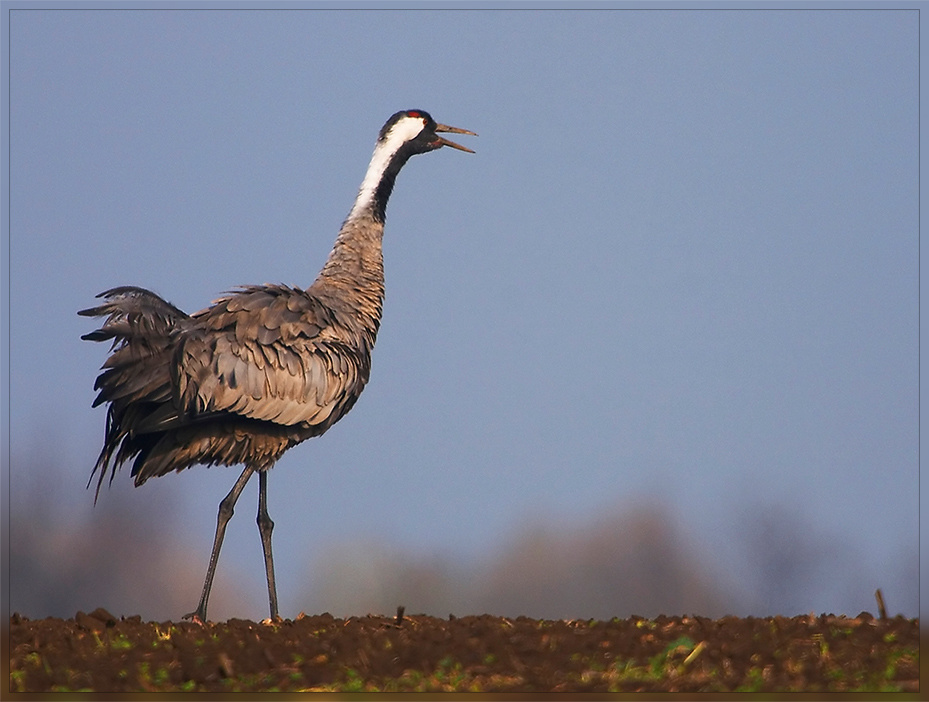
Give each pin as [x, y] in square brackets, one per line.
[136, 377]
[271, 353]
[144, 329]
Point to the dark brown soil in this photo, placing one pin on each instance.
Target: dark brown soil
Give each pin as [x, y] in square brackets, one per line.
[101, 653]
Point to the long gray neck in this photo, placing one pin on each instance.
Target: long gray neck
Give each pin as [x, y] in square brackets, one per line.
[353, 276]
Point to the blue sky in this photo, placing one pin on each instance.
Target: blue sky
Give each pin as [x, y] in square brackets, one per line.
[681, 267]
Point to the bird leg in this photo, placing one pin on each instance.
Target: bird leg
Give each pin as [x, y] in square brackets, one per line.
[265, 527]
[226, 509]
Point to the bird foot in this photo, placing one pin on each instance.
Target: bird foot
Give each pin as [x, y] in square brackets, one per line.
[195, 618]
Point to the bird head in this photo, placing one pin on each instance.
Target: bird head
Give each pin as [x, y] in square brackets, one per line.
[406, 134]
[417, 129]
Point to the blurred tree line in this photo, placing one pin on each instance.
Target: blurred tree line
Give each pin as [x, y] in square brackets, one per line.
[635, 559]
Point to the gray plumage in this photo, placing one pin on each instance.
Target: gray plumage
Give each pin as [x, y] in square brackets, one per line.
[262, 369]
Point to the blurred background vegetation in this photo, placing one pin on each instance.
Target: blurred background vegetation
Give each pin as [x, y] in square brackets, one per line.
[132, 555]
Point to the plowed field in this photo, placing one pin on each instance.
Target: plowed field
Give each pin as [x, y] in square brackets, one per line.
[102, 653]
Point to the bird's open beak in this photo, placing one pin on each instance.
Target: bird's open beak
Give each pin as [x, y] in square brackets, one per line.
[453, 130]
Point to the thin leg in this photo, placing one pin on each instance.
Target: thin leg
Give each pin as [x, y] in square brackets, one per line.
[226, 508]
[265, 527]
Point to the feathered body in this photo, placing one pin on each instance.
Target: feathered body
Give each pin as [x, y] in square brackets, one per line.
[242, 381]
[266, 366]
[259, 371]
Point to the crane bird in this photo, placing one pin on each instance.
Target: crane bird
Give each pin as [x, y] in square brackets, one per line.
[262, 369]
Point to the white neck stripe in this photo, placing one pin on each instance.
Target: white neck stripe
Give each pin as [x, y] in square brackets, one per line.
[402, 132]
